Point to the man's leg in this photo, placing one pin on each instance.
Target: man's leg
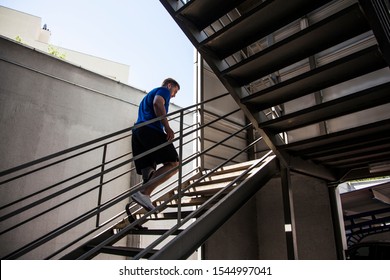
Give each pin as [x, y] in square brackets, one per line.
[147, 173]
[163, 169]
[142, 197]
[166, 155]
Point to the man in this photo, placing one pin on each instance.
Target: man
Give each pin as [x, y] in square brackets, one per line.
[154, 104]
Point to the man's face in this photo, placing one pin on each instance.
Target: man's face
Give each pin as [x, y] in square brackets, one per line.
[173, 89]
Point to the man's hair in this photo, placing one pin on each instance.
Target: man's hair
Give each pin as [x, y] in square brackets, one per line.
[170, 81]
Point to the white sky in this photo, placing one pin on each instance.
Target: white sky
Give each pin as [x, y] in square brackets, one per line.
[139, 33]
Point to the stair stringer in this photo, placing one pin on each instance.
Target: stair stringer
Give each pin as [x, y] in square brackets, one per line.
[190, 239]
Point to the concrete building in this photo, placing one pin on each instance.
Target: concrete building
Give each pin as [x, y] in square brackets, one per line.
[30, 30]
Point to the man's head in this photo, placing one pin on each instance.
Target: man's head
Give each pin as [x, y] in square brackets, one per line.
[172, 85]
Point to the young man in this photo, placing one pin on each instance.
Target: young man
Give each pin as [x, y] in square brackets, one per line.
[153, 105]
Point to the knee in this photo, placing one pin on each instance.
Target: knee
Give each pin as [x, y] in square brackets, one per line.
[175, 164]
[172, 164]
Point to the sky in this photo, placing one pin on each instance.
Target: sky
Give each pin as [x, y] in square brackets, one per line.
[138, 33]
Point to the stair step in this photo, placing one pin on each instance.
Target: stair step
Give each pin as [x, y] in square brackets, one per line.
[143, 231]
[125, 251]
[339, 140]
[235, 167]
[345, 105]
[202, 13]
[256, 24]
[220, 178]
[166, 215]
[366, 146]
[331, 31]
[79, 251]
[207, 190]
[153, 232]
[346, 68]
[189, 201]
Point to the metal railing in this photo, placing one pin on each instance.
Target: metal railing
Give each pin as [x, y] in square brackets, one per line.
[36, 194]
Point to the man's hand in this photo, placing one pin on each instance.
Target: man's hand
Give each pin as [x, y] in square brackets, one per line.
[159, 109]
[170, 134]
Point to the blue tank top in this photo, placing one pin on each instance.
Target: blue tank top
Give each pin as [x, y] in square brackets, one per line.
[146, 110]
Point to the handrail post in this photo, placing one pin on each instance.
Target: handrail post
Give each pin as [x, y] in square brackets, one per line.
[180, 167]
[200, 108]
[101, 184]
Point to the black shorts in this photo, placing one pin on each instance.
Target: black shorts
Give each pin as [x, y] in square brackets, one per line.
[146, 138]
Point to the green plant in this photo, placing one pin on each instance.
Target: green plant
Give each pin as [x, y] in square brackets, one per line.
[18, 39]
[55, 52]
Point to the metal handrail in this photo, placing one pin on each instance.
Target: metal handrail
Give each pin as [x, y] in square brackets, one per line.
[124, 231]
[67, 189]
[100, 139]
[64, 152]
[43, 163]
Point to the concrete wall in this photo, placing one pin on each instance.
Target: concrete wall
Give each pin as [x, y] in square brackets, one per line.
[114, 70]
[48, 105]
[257, 230]
[212, 87]
[237, 239]
[52, 105]
[270, 222]
[314, 227]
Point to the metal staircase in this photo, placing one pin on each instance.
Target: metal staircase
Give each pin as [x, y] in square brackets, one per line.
[207, 200]
[290, 57]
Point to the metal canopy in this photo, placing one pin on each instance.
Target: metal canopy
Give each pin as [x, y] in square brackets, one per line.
[367, 199]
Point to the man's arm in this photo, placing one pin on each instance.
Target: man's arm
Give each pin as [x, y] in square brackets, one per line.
[159, 110]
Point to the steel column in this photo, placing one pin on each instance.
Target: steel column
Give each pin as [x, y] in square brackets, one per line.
[289, 219]
[338, 222]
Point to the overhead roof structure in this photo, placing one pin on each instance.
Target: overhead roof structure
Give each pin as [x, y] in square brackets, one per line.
[322, 66]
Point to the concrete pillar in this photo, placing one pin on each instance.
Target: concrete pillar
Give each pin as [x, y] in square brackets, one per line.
[237, 238]
[257, 230]
[313, 220]
[270, 222]
[313, 217]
